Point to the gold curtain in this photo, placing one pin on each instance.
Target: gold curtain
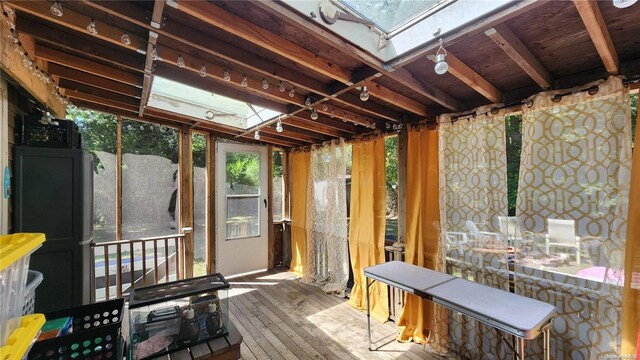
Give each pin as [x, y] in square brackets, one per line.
[367, 225]
[299, 180]
[420, 318]
[631, 293]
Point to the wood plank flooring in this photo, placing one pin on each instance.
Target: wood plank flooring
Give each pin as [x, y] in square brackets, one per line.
[280, 317]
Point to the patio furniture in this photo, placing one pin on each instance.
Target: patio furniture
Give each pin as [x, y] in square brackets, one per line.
[601, 269]
[562, 233]
[491, 306]
[482, 238]
[509, 227]
[456, 239]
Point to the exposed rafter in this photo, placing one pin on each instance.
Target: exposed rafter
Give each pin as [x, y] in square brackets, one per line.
[518, 52]
[597, 29]
[93, 80]
[474, 80]
[156, 19]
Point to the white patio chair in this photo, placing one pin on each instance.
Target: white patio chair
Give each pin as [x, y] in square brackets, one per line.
[562, 233]
[482, 237]
[509, 227]
[455, 239]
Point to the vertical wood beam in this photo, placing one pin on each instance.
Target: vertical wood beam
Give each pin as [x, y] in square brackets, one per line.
[211, 204]
[271, 251]
[186, 195]
[597, 29]
[518, 52]
[403, 139]
[119, 179]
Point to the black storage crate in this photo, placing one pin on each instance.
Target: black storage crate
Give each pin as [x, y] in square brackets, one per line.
[58, 134]
[96, 334]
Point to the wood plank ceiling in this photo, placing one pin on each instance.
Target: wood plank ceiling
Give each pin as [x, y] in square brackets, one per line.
[506, 57]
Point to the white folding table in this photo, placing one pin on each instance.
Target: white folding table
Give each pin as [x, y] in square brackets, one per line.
[510, 313]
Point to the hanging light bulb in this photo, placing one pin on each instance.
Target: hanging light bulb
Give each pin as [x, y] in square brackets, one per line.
[441, 63]
[279, 126]
[203, 71]
[314, 114]
[265, 84]
[256, 135]
[56, 9]
[333, 113]
[226, 76]
[307, 101]
[154, 53]
[292, 93]
[621, 4]
[364, 95]
[180, 61]
[281, 87]
[244, 82]
[324, 107]
[91, 28]
[125, 39]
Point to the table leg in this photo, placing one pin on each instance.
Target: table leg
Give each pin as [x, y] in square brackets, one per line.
[547, 343]
[521, 348]
[366, 280]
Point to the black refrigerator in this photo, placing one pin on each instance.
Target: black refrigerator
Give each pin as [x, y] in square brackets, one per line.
[53, 194]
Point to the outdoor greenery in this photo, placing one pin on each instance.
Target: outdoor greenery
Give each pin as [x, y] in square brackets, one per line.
[514, 146]
[391, 167]
[243, 168]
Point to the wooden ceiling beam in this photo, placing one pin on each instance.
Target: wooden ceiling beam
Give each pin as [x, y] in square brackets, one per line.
[87, 66]
[599, 33]
[87, 89]
[73, 43]
[474, 80]
[156, 19]
[74, 94]
[311, 125]
[518, 52]
[331, 123]
[287, 134]
[238, 56]
[218, 17]
[78, 22]
[93, 80]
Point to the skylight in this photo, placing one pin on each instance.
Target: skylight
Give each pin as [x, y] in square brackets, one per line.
[186, 100]
[389, 15]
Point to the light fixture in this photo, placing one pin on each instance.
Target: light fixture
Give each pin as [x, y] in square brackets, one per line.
[91, 28]
[265, 84]
[314, 114]
[245, 81]
[324, 107]
[180, 61]
[279, 126]
[364, 95]
[46, 118]
[307, 101]
[256, 135]
[333, 113]
[154, 53]
[292, 93]
[621, 4]
[281, 87]
[125, 39]
[441, 64]
[203, 71]
[226, 76]
[209, 114]
[56, 9]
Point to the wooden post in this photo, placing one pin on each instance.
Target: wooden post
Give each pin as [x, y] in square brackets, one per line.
[186, 197]
[271, 260]
[402, 185]
[211, 204]
[119, 179]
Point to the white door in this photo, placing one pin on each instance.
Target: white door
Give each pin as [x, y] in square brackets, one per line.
[241, 208]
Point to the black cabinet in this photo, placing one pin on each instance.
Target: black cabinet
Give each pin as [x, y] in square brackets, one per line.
[54, 195]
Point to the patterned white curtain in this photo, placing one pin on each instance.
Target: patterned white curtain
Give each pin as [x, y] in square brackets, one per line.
[575, 168]
[327, 247]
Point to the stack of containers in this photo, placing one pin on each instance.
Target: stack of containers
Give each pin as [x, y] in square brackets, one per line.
[17, 332]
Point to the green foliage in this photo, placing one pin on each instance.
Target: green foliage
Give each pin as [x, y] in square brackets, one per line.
[277, 163]
[199, 150]
[391, 161]
[98, 131]
[149, 139]
[514, 146]
[243, 168]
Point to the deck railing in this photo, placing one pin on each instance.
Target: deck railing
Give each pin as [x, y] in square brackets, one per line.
[124, 264]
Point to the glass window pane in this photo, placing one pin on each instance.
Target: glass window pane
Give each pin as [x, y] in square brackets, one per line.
[99, 135]
[243, 216]
[199, 153]
[243, 173]
[391, 13]
[150, 181]
[278, 186]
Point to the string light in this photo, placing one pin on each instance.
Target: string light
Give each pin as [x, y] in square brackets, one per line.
[441, 63]
[281, 87]
[314, 114]
[180, 61]
[154, 53]
[265, 84]
[91, 28]
[307, 101]
[292, 93]
[245, 81]
[324, 107]
[364, 95]
[256, 135]
[203, 71]
[226, 76]
[125, 39]
[279, 125]
[56, 9]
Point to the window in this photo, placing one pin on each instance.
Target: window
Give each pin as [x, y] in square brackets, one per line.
[278, 186]
[150, 204]
[243, 194]
[199, 156]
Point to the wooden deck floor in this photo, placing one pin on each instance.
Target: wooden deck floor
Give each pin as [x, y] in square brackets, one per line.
[280, 317]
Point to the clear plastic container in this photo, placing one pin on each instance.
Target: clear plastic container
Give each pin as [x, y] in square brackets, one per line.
[15, 251]
[34, 278]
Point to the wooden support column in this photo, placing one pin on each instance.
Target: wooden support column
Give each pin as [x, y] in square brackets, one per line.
[211, 204]
[403, 139]
[119, 178]
[271, 251]
[186, 196]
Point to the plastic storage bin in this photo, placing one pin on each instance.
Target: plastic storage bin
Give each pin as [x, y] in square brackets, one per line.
[34, 278]
[15, 251]
[96, 334]
[20, 340]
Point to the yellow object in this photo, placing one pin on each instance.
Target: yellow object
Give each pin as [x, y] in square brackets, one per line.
[14, 247]
[630, 296]
[417, 320]
[367, 226]
[300, 162]
[21, 338]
